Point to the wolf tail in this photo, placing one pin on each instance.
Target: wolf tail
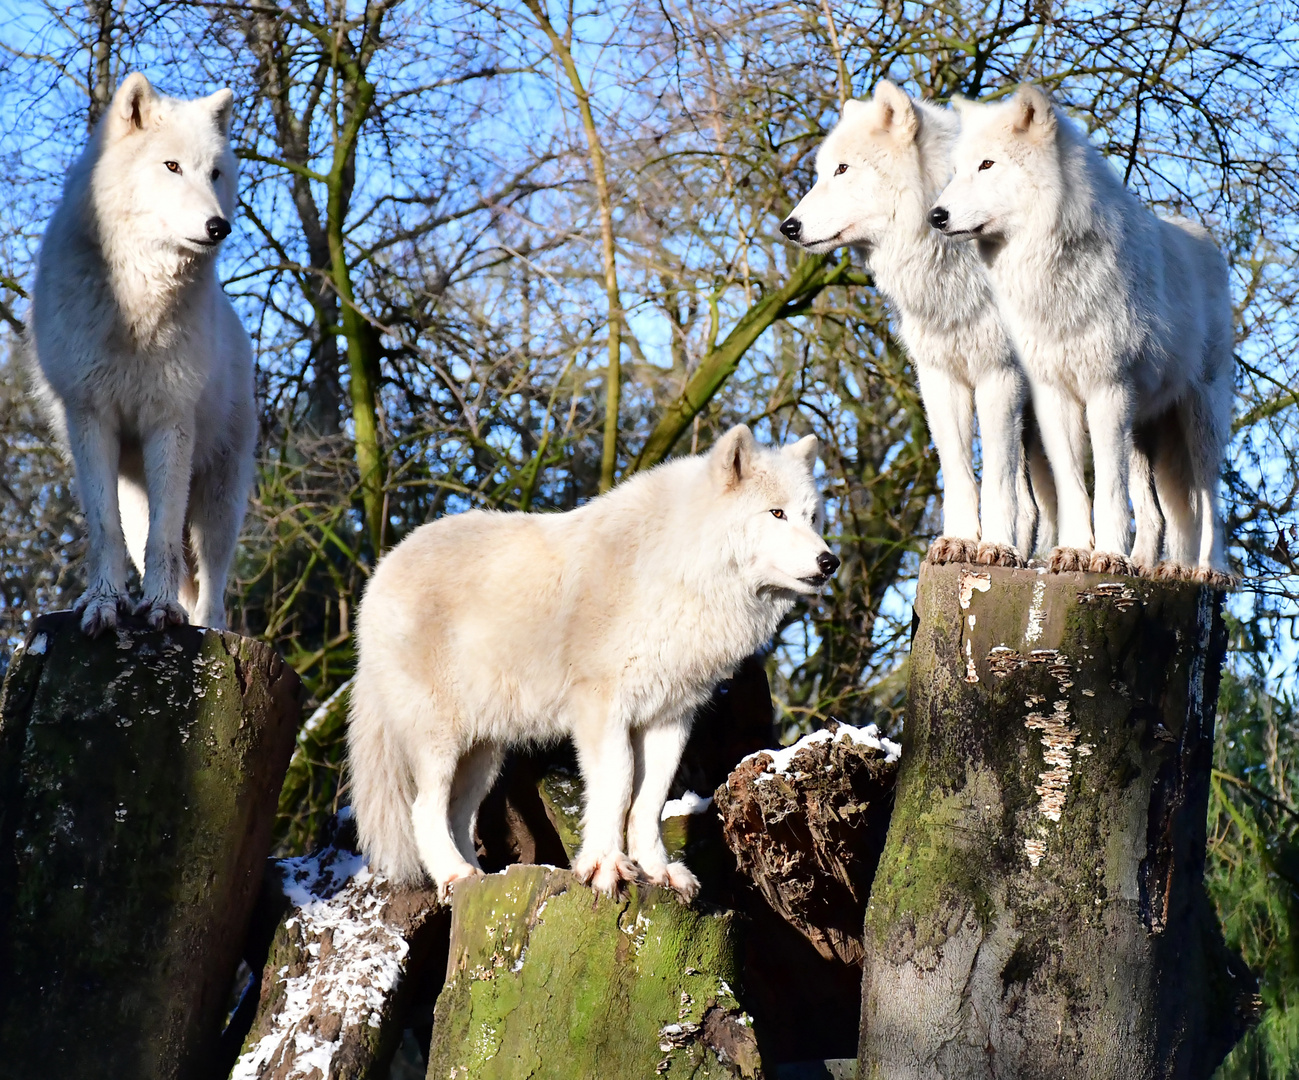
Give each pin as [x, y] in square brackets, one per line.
[382, 785]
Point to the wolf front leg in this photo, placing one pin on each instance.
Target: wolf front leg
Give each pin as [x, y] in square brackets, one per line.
[949, 408]
[604, 754]
[96, 451]
[999, 397]
[168, 450]
[657, 752]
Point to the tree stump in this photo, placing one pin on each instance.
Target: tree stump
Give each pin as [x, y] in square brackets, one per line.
[1039, 908]
[338, 979]
[807, 824]
[547, 980]
[138, 780]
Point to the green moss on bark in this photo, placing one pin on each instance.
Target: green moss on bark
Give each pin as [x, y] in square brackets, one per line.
[138, 782]
[547, 980]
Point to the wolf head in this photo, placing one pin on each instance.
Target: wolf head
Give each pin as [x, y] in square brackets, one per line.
[773, 512]
[879, 168]
[1005, 168]
[164, 172]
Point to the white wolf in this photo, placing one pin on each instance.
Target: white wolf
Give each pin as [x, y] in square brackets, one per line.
[141, 364]
[878, 173]
[611, 623]
[1124, 324]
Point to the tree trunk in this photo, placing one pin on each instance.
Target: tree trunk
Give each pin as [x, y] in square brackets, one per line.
[807, 824]
[138, 779]
[339, 978]
[1039, 909]
[549, 981]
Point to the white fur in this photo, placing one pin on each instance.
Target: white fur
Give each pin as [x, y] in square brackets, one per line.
[878, 173]
[1124, 325]
[141, 364]
[611, 623]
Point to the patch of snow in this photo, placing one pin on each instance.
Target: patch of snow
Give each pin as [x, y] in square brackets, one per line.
[324, 709]
[335, 898]
[782, 759]
[37, 647]
[688, 804]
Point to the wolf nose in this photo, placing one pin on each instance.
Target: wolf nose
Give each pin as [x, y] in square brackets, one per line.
[217, 228]
[827, 563]
[792, 228]
[938, 217]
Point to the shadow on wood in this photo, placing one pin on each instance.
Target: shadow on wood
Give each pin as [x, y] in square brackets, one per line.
[138, 780]
[1039, 909]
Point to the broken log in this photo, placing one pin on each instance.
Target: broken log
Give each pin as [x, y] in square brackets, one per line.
[138, 779]
[1039, 909]
[545, 979]
[806, 825]
[338, 981]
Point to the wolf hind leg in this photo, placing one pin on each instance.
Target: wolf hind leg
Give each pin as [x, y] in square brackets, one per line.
[1042, 496]
[435, 771]
[474, 777]
[657, 750]
[218, 502]
[1149, 539]
[1205, 422]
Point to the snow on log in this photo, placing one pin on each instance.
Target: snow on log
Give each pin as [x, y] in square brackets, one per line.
[806, 824]
[547, 980]
[1039, 909]
[338, 976]
[138, 778]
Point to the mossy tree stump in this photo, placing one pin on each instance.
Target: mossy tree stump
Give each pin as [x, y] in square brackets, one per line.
[138, 781]
[1039, 908]
[549, 981]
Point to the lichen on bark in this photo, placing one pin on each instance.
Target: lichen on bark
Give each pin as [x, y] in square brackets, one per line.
[1039, 907]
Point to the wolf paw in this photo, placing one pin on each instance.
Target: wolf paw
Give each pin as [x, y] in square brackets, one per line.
[1064, 559]
[447, 883]
[158, 612]
[98, 607]
[1215, 579]
[999, 555]
[1171, 571]
[675, 876]
[1107, 562]
[949, 549]
[607, 873]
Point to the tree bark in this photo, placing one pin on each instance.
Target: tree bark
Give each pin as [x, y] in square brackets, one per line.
[337, 985]
[549, 981]
[809, 836]
[1039, 908]
[138, 779]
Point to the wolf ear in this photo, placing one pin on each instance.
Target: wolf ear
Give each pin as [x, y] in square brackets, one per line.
[732, 456]
[959, 103]
[1033, 112]
[222, 104]
[804, 451]
[896, 113]
[134, 103]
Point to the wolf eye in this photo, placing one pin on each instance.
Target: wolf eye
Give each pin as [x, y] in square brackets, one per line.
[216, 175]
[172, 166]
[841, 169]
[779, 515]
[985, 164]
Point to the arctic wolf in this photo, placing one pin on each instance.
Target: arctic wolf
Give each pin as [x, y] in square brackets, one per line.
[1123, 322]
[878, 173]
[142, 365]
[611, 623]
